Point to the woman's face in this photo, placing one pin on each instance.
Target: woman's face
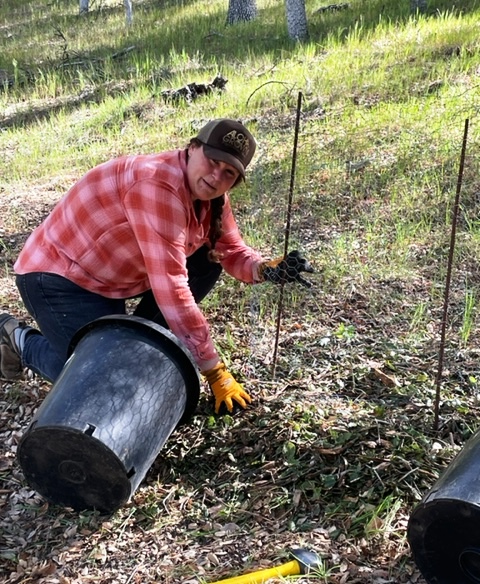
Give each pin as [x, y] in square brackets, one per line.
[208, 178]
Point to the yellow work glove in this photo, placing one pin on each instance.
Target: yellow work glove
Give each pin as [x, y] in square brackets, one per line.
[227, 391]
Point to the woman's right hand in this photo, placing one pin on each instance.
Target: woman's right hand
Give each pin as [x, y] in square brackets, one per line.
[227, 391]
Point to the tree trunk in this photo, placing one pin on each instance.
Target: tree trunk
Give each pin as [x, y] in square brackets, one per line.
[420, 5]
[296, 19]
[128, 11]
[84, 5]
[241, 11]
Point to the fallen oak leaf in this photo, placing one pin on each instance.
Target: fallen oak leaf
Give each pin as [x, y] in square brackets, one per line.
[388, 380]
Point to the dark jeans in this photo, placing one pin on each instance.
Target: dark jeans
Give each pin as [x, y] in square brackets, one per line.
[60, 308]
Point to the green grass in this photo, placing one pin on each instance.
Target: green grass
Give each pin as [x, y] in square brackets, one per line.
[385, 97]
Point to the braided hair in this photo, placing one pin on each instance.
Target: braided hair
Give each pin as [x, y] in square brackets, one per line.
[216, 229]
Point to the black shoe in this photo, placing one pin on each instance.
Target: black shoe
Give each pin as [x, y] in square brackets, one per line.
[10, 356]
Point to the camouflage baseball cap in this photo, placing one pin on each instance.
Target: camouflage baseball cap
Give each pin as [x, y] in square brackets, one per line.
[228, 141]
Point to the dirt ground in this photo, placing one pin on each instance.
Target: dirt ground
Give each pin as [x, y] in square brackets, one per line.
[332, 456]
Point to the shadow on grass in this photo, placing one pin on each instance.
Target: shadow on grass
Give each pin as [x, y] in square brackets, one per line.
[151, 39]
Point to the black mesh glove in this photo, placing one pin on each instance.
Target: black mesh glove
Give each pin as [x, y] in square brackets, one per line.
[285, 270]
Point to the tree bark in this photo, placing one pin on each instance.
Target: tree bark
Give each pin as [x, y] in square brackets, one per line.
[296, 19]
[420, 5]
[84, 6]
[241, 11]
[128, 11]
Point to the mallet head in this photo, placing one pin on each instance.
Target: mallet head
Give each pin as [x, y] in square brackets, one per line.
[307, 560]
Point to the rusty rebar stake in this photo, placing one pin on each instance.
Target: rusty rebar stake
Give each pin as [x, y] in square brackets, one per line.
[287, 229]
[441, 352]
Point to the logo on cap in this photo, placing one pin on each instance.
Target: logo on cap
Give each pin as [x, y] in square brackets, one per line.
[238, 141]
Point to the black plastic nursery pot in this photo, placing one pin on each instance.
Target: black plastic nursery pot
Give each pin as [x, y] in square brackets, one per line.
[444, 529]
[126, 386]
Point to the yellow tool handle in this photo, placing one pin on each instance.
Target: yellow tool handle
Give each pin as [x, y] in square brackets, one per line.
[289, 569]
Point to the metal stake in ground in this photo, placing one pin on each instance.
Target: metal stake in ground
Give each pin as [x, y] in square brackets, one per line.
[287, 228]
[449, 276]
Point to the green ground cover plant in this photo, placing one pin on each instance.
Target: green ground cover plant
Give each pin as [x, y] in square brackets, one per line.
[340, 444]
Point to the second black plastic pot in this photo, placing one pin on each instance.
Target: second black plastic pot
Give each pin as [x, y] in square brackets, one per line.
[444, 529]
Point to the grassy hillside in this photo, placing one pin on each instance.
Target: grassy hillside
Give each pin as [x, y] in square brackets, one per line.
[339, 445]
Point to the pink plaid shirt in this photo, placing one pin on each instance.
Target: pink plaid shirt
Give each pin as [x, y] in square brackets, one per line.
[128, 226]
